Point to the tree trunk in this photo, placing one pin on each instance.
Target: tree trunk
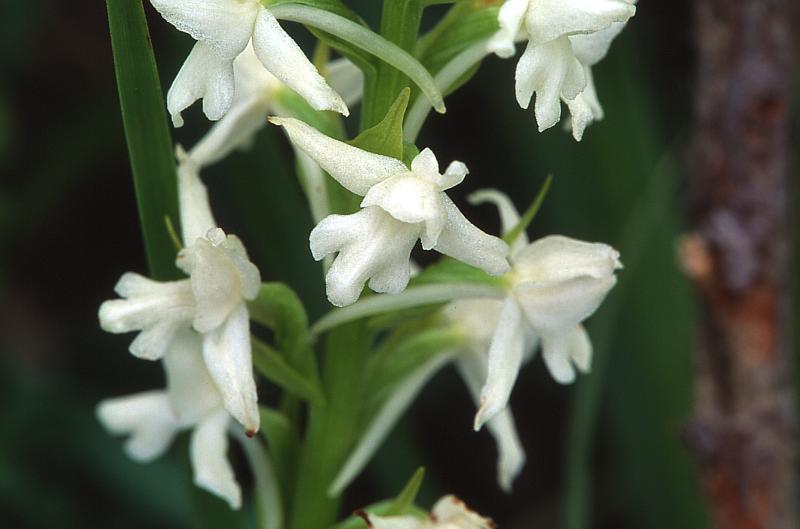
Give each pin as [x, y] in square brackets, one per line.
[743, 430]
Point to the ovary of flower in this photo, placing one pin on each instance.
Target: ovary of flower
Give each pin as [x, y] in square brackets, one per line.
[223, 29]
[212, 301]
[550, 67]
[191, 401]
[399, 207]
[448, 513]
[555, 283]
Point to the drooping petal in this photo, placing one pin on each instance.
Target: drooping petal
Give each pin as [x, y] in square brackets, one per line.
[580, 349]
[156, 308]
[371, 244]
[453, 175]
[510, 454]
[228, 356]
[450, 512]
[354, 168]
[346, 79]
[551, 71]
[411, 200]
[509, 216]
[234, 131]
[510, 17]
[146, 417]
[195, 209]
[208, 451]
[555, 351]
[585, 108]
[223, 25]
[550, 19]
[192, 393]
[384, 421]
[204, 75]
[464, 241]
[505, 359]
[281, 55]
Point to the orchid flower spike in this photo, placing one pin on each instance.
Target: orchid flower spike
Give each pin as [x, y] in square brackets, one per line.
[400, 205]
[562, 46]
[191, 402]
[223, 29]
[476, 319]
[555, 283]
[212, 301]
[448, 513]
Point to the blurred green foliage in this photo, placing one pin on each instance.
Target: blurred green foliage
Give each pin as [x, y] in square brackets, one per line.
[68, 229]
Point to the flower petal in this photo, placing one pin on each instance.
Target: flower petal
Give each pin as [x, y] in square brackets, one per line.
[591, 48]
[356, 169]
[464, 241]
[510, 17]
[223, 25]
[208, 450]
[147, 417]
[192, 393]
[505, 358]
[449, 511]
[551, 71]
[510, 454]
[374, 521]
[580, 349]
[196, 216]
[227, 354]
[559, 258]
[585, 108]
[204, 75]
[555, 351]
[551, 19]
[281, 55]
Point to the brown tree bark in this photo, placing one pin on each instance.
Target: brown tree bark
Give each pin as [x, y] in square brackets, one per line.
[743, 432]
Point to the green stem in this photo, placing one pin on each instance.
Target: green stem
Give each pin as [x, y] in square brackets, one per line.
[332, 428]
[146, 132]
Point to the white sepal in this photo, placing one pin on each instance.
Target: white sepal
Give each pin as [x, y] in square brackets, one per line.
[192, 393]
[356, 169]
[208, 451]
[510, 18]
[550, 19]
[228, 356]
[450, 512]
[147, 417]
[281, 55]
[195, 209]
[509, 216]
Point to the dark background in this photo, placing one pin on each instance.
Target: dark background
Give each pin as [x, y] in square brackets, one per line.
[68, 229]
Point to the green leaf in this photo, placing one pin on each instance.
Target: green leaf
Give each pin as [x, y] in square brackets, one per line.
[386, 137]
[449, 270]
[405, 500]
[463, 26]
[146, 132]
[272, 366]
[280, 309]
[530, 213]
[283, 445]
[410, 151]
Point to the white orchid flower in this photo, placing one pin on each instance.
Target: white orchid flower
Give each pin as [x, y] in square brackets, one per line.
[191, 401]
[399, 207]
[555, 283]
[212, 301]
[448, 513]
[223, 29]
[551, 67]
[477, 319]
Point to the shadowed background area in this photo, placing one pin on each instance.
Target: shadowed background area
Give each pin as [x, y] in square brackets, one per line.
[68, 229]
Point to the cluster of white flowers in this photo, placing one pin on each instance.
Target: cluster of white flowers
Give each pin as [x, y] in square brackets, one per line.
[565, 39]
[199, 326]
